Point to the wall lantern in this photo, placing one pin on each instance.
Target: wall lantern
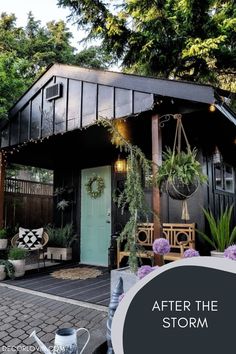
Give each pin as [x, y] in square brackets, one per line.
[120, 165]
[217, 157]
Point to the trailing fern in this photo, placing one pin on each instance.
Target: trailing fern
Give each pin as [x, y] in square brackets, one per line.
[182, 165]
[132, 197]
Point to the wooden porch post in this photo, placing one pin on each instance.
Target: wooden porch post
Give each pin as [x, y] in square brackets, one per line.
[2, 179]
[156, 158]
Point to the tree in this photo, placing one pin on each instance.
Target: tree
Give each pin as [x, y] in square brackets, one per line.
[26, 52]
[94, 56]
[12, 80]
[188, 39]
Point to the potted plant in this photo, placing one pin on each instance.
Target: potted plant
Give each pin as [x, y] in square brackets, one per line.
[3, 239]
[17, 258]
[222, 235]
[60, 240]
[180, 173]
[6, 268]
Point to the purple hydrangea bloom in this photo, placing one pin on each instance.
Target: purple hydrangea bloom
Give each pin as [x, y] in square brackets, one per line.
[230, 252]
[144, 270]
[191, 253]
[161, 246]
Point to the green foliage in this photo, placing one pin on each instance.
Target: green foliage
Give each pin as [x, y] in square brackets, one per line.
[12, 81]
[182, 165]
[61, 237]
[132, 197]
[3, 234]
[9, 268]
[26, 52]
[35, 174]
[193, 40]
[222, 235]
[17, 253]
[94, 56]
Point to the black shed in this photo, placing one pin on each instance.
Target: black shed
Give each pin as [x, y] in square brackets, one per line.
[51, 126]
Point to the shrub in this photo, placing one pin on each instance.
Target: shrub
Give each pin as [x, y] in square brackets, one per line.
[16, 253]
[3, 234]
[61, 237]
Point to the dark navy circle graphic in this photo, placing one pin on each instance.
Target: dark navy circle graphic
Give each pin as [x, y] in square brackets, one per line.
[184, 310]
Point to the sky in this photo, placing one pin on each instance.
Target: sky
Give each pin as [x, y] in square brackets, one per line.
[43, 10]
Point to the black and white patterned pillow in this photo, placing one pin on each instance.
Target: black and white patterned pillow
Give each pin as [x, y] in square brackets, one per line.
[30, 239]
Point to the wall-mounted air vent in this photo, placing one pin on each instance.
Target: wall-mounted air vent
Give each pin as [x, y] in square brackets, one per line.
[54, 91]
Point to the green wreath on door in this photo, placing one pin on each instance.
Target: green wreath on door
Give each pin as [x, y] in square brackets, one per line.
[95, 186]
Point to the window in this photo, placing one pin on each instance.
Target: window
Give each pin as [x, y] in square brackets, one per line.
[224, 177]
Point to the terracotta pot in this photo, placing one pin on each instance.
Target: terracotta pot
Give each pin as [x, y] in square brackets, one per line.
[19, 265]
[3, 244]
[2, 272]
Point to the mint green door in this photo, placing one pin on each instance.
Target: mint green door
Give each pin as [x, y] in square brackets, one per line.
[95, 218]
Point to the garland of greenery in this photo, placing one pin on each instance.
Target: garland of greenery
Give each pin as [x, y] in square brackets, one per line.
[95, 193]
[132, 197]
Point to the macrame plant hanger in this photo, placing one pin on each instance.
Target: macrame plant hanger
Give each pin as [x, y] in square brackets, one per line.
[179, 131]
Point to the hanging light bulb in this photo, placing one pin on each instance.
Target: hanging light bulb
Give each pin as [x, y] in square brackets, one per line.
[212, 108]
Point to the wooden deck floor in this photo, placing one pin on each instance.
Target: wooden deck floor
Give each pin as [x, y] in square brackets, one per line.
[96, 290]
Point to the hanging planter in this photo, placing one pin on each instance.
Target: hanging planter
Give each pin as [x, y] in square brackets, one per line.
[178, 190]
[180, 173]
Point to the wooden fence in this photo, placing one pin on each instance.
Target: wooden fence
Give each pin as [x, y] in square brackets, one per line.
[28, 204]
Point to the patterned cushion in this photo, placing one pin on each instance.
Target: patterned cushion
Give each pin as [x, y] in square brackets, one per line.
[30, 239]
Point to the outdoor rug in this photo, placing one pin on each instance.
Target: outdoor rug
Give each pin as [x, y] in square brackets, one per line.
[76, 273]
[93, 290]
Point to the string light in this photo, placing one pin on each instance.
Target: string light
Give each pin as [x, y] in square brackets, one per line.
[11, 151]
[212, 108]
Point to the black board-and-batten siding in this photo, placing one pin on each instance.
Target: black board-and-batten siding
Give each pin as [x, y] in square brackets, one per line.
[81, 103]
[88, 94]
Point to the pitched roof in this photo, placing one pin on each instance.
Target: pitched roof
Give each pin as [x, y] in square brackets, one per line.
[89, 94]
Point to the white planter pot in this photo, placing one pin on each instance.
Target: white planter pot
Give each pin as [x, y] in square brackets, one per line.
[19, 266]
[129, 278]
[61, 254]
[2, 272]
[3, 244]
[217, 254]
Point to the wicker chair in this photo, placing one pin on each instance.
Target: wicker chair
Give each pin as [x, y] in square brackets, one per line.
[37, 252]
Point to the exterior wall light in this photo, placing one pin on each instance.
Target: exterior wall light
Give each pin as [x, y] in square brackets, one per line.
[217, 157]
[120, 165]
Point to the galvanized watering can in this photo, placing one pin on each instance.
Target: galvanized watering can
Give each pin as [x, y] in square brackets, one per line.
[65, 341]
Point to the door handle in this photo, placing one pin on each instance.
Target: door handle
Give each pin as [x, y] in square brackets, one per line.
[108, 219]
